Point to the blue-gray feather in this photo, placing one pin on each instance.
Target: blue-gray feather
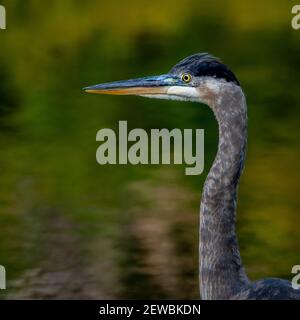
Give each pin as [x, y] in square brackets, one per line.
[222, 275]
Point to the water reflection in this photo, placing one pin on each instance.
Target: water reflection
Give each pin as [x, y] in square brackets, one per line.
[125, 231]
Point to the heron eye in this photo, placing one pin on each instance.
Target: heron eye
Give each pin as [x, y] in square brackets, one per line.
[186, 77]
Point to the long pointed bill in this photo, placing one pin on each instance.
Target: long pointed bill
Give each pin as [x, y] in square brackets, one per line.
[157, 85]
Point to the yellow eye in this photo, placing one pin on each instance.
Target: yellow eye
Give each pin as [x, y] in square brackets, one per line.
[186, 77]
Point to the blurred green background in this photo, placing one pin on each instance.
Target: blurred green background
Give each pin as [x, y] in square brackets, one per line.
[71, 228]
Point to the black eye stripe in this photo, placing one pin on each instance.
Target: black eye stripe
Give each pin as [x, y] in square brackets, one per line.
[204, 65]
[216, 70]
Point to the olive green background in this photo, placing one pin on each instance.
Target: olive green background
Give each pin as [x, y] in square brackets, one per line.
[70, 228]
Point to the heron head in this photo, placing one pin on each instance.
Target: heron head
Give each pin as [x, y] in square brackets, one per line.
[196, 78]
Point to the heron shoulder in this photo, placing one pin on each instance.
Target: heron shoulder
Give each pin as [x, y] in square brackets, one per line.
[269, 289]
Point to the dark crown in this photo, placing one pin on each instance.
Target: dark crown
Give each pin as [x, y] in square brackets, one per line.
[205, 65]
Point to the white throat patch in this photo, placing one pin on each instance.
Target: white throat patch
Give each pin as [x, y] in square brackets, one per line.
[178, 93]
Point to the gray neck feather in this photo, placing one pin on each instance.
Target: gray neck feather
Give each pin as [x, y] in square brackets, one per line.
[221, 271]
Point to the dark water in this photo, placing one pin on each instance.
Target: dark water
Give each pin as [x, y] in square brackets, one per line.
[132, 231]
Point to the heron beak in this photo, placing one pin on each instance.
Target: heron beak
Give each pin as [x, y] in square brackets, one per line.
[156, 85]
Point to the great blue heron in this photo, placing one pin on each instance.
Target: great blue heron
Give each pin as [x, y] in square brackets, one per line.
[203, 78]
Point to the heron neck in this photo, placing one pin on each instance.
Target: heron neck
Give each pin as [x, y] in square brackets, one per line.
[221, 271]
